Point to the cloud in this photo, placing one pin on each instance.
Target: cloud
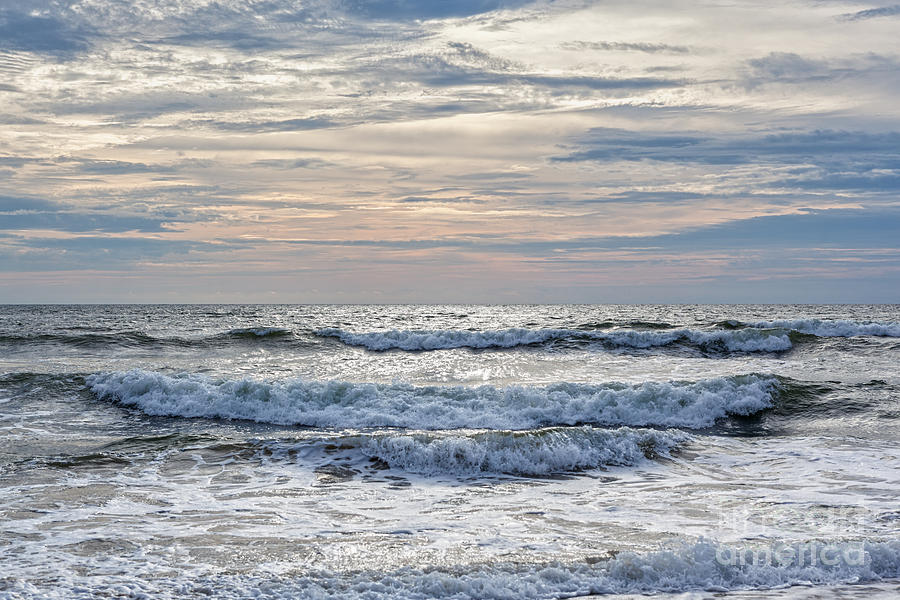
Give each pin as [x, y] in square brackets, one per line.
[19, 214]
[648, 197]
[608, 144]
[647, 47]
[112, 167]
[824, 147]
[866, 180]
[811, 228]
[239, 39]
[79, 222]
[425, 9]
[794, 69]
[23, 213]
[19, 203]
[42, 34]
[793, 162]
[786, 65]
[493, 175]
[872, 13]
[601, 83]
[301, 124]
[292, 163]
[441, 200]
[20, 254]
[271, 25]
[13, 64]
[462, 64]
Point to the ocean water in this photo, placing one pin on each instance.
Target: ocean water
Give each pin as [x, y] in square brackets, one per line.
[506, 452]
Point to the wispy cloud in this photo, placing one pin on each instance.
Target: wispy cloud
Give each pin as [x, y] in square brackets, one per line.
[96, 253]
[823, 146]
[647, 47]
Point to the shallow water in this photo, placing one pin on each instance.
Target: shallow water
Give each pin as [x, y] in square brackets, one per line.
[449, 451]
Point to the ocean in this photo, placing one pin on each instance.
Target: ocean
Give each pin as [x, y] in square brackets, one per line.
[426, 451]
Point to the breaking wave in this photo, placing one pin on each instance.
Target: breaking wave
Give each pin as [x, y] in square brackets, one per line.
[838, 328]
[701, 566]
[727, 336]
[742, 340]
[341, 405]
[541, 452]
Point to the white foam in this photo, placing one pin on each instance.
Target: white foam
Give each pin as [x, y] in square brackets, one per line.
[689, 568]
[837, 328]
[336, 404]
[742, 340]
[540, 452]
[745, 340]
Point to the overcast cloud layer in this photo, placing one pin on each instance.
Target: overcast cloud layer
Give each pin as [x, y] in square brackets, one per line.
[468, 151]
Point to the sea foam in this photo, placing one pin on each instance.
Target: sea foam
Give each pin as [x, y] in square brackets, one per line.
[540, 452]
[700, 566]
[837, 328]
[337, 404]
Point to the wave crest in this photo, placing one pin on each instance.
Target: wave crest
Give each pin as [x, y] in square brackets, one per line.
[541, 452]
[836, 328]
[685, 567]
[742, 340]
[335, 404]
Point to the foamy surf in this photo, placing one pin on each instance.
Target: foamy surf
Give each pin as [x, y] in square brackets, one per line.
[533, 453]
[835, 328]
[702, 566]
[741, 340]
[471, 453]
[337, 404]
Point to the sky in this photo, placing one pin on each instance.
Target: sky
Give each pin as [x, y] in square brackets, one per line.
[369, 151]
